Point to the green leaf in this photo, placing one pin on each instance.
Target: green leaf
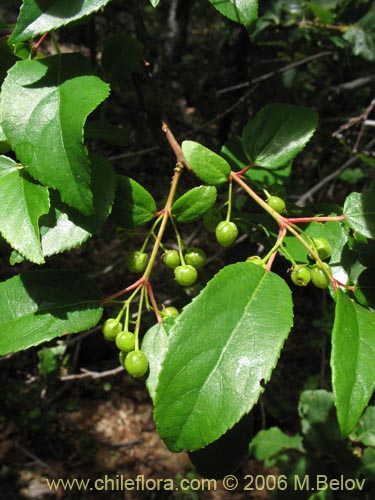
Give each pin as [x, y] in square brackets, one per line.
[134, 206]
[222, 349]
[360, 211]
[352, 360]
[207, 165]
[277, 133]
[241, 11]
[154, 3]
[64, 228]
[192, 205]
[268, 443]
[39, 16]
[38, 306]
[43, 108]
[365, 430]
[23, 202]
[155, 344]
[122, 55]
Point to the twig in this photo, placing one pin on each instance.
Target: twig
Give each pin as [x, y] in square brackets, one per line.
[306, 196]
[92, 375]
[35, 458]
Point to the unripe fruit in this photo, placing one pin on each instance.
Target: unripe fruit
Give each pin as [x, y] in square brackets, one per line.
[125, 341]
[137, 261]
[322, 247]
[300, 275]
[171, 259]
[318, 277]
[195, 257]
[169, 312]
[226, 233]
[185, 275]
[136, 363]
[111, 327]
[277, 204]
[258, 261]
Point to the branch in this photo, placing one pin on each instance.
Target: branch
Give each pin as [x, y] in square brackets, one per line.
[92, 375]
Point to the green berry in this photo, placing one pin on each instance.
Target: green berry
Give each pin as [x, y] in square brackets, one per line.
[136, 363]
[195, 257]
[137, 261]
[277, 204]
[171, 259]
[226, 233]
[111, 327]
[185, 275]
[322, 247]
[125, 341]
[258, 261]
[300, 275]
[169, 312]
[211, 219]
[318, 276]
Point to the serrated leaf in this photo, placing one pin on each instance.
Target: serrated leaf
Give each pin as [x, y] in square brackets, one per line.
[365, 430]
[360, 211]
[122, 55]
[23, 202]
[38, 17]
[352, 360]
[134, 205]
[272, 441]
[64, 228]
[155, 344]
[38, 306]
[192, 205]
[43, 108]
[207, 165]
[241, 11]
[277, 133]
[222, 348]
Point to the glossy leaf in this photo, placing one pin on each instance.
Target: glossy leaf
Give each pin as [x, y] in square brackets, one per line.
[44, 105]
[134, 205]
[22, 203]
[352, 360]
[277, 133]
[155, 345]
[39, 16]
[192, 205]
[207, 165]
[38, 306]
[267, 443]
[241, 11]
[122, 55]
[64, 228]
[360, 211]
[222, 349]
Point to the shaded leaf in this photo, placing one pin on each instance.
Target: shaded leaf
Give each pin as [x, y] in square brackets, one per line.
[277, 133]
[222, 348]
[270, 442]
[40, 305]
[44, 105]
[64, 228]
[107, 132]
[39, 16]
[365, 430]
[134, 205]
[352, 360]
[121, 57]
[241, 11]
[193, 204]
[23, 202]
[207, 165]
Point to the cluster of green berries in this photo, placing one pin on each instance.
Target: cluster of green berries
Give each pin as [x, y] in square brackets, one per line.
[302, 274]
[133, 360]
[185, 273]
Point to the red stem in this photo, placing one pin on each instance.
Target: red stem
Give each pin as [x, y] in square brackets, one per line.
[124, 291]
